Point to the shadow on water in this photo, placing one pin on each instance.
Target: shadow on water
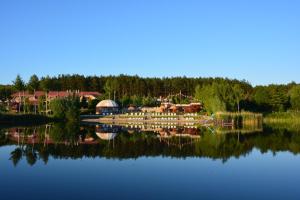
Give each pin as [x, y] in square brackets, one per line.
[72, 140]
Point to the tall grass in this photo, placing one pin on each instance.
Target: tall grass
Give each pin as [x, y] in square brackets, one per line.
[240, 119]
[283, 118]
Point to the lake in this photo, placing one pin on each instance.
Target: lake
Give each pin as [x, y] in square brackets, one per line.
[96, 161]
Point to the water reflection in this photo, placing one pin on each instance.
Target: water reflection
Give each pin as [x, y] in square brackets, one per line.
[132, 141]
[107, 132]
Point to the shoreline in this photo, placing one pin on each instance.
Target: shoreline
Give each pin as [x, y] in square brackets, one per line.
[7, 120]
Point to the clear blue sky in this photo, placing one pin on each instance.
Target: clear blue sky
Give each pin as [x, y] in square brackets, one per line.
[256, 40]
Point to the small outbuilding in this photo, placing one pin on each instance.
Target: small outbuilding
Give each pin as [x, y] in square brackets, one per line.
[132, 108]
[106, 107]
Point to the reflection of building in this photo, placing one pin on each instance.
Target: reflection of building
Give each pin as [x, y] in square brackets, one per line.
[165, 131]
[107, 106]
[179, 132]
[28, 135]
[106, 132]
[106, 136]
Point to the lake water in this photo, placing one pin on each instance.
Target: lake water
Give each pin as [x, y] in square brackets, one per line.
[68, 161]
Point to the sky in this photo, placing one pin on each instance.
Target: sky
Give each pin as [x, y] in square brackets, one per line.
[253, 40]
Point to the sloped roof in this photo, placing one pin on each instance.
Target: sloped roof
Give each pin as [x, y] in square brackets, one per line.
[56, 93]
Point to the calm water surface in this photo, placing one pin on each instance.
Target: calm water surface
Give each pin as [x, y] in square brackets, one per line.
[67, 161]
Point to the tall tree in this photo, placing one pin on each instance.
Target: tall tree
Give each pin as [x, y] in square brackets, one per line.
[16, 156]
[295, 97]
[33, 83]
[46, 83]
[278, 97]
[5, 92]
[58, 108]
[19, 84]
[238, 94]
[210, 97]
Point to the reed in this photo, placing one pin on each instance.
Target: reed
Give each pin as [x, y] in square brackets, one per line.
[283, 118]
[240, 119]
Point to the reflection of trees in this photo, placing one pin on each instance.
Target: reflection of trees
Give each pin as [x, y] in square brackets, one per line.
[65, 132]
[3, 138]
[16, 156]
[136, 144]
[31, 155]
[44, 154]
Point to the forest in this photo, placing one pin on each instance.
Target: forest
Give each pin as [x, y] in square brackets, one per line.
[216, 94]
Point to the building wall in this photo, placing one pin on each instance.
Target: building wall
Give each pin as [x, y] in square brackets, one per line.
[102, 110]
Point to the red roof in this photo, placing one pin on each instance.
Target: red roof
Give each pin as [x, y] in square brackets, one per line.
[55, 93]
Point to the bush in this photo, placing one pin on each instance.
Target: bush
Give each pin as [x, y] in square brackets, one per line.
[67, 108]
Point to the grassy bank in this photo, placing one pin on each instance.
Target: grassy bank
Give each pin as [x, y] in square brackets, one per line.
[283, 118]
[24, 119]
[240, 119]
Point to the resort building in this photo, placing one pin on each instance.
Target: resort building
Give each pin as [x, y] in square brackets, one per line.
[151, 109]
[33, 97]
[19, 98]
[173, 108]
[132, 108]
[182, 108]
[107, 107]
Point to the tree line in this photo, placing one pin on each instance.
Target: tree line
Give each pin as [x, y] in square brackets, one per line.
[217, 94]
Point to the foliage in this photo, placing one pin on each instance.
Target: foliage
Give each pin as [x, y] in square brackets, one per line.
[295, 97]
[5, 92]
[212, 96]
[137, 100]
[129, 85]
[125, 101]
[72, 108]
[66, 108]
[238, 95]
[278, 98]
[272, 97]
[261, 98]
[149, 101]
[41, 104]
[58, 108]
[27, 106]
[46, 83]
